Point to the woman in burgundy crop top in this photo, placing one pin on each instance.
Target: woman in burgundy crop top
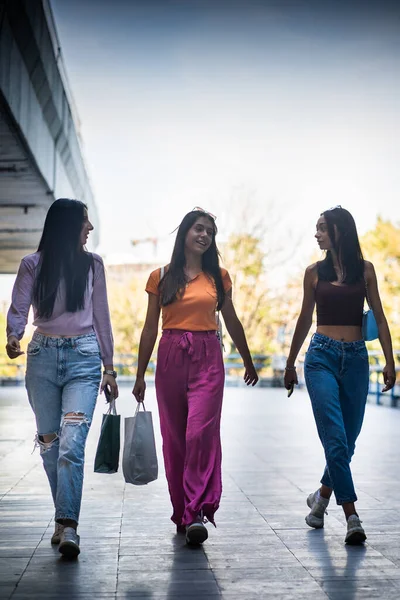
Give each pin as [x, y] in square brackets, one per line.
[336, 366]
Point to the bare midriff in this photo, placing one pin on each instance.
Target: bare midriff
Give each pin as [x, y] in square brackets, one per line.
[342, 333]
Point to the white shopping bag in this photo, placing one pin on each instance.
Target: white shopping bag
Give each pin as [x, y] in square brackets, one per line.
[139, 461]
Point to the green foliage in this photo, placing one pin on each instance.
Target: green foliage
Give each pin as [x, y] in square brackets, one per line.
[9, 368]
[268, 316]
[128, 302]
[381, 246]
[244, 258]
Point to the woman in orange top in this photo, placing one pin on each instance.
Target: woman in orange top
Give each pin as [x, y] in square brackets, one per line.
[190, 371]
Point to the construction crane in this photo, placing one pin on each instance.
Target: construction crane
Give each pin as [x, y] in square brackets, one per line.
[148, 240]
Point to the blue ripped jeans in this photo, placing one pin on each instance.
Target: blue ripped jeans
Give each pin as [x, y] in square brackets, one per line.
[337, 379]
[62, 380]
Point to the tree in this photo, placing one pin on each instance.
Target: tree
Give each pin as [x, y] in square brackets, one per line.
[253, 253]
[381, 246]
[128, 302]
[245, 261]
[8, 367]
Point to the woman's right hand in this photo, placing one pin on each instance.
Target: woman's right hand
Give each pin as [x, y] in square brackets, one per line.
[139, 389]
[289, 378]
[13, 347]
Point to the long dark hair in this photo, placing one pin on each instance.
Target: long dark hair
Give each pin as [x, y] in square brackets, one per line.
[172, 285]
[62, 257]
[346, 246]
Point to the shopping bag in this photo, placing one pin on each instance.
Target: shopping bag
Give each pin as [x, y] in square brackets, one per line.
[107, 454]
[139, 461]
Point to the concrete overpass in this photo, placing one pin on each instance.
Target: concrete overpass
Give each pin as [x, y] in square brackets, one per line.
[40, 150]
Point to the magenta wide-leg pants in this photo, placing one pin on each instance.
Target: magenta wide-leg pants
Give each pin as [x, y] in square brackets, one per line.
[189, 385]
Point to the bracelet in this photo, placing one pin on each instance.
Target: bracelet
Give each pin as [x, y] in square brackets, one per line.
[290, 368]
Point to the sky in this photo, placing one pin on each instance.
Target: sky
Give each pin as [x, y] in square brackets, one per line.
[285, 107]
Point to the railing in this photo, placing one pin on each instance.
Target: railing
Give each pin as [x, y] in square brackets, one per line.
[270, 368]
[12, 373]
[270, 373]
[376, 377]
[126, 365]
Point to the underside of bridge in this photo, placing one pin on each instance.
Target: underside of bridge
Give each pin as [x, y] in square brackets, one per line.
[40, 150]
[24, 196]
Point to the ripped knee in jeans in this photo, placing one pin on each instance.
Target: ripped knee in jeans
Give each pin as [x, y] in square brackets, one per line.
[75, 418]
[46, 441]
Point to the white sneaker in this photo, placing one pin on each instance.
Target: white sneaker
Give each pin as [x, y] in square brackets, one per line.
[318, 507]
[69, 543]
[196, 532]
[56, 537]
[355, 532]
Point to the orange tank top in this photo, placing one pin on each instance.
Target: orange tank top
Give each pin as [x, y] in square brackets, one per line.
[195, 310]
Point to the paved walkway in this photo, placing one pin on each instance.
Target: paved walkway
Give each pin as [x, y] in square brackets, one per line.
[262, 547]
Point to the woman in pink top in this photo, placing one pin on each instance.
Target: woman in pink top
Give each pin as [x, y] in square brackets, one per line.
[66, 287]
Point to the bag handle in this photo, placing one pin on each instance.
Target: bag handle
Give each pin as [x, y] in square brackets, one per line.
[112, 408]
[138, 408]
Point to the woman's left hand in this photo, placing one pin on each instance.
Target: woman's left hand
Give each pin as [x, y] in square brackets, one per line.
[389, 377]
[110, 381]
[250, 375]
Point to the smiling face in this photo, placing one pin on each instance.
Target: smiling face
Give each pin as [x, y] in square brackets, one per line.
[87, 227]
[322, 235]
[200, 236]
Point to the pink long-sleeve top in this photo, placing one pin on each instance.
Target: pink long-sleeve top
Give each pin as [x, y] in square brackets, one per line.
[94, 317]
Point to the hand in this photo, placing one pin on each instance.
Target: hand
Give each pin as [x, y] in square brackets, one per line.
[139, 389]
[111, 383]
[289, 378]
[389, 377]
[250, 375]
[13, 347]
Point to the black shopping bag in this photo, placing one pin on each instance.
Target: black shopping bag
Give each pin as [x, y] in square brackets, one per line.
[107, 454]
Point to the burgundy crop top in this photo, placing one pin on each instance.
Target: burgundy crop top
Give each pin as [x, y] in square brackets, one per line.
[340, 304]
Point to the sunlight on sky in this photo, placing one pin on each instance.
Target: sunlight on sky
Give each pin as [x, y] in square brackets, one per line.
[181, 104]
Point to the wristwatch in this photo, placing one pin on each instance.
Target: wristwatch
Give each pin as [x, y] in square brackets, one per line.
[109, 372]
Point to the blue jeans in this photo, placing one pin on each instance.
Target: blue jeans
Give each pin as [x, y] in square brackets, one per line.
[337, 378]
[62, 380]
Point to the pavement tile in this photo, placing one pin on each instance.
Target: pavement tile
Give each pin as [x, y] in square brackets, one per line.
[261, 548]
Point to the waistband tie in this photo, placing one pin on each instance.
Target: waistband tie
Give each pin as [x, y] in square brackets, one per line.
[186, 342]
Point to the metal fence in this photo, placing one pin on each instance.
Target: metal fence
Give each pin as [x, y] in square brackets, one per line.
[269, 366]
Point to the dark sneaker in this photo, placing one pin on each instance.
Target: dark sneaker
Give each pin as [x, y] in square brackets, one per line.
[196, 532]
[69, 543]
